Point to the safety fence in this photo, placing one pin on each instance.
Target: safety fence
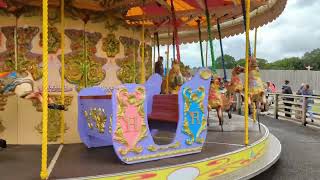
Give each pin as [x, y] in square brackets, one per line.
[300, 108]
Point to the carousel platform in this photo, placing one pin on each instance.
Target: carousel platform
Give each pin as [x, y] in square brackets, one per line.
[224, 156]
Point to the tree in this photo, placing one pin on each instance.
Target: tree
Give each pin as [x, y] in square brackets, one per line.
[292, 63]
[241, 62]
[262, 63]
[229, 62]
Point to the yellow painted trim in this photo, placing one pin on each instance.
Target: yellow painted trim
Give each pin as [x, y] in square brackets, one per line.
[44, 152]
[208, 169]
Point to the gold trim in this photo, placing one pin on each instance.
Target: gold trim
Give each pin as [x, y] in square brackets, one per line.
[205, 74]
[154, 148]
[199, 100]
[139, 103]
[110, 124]
[162, 154]
[98, 116]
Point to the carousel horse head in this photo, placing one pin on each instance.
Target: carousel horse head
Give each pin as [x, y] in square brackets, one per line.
[176, 79]
[237, 70]
[253, 65]
[13, 82]
[176, 67]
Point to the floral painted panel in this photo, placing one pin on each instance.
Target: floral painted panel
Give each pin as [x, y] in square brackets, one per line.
[83, 67]
[26, 61]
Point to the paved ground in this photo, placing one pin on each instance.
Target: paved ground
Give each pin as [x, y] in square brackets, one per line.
[300, 158]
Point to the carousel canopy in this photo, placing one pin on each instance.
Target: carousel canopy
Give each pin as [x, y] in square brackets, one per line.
[156, 15]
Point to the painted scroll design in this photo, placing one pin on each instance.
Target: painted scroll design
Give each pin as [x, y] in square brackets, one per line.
[53, 41]
[27, 61]
[194, 122]
[111, 45]
[83, 67]
[96, 119]
[130, 126]
[128, 71]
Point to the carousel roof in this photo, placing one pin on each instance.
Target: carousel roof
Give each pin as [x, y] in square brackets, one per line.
[156, 15]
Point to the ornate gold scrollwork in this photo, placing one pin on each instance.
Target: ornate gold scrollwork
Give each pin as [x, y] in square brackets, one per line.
[111, 45]
[197, 99]
[110, 124]
[163, 154]
[153, 148]
[125, 99]
[205, 74]
[98, 117]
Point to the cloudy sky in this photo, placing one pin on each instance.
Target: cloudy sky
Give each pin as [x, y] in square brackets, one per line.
[295, 32]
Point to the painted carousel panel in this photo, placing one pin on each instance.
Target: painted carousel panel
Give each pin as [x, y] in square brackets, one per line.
[132, 140]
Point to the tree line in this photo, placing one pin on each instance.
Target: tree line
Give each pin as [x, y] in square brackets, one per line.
[311, 59]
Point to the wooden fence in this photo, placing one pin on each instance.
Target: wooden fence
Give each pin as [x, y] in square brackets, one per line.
[303, 109]
[295, 77]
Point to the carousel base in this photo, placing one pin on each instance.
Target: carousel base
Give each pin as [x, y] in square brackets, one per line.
[223, 157]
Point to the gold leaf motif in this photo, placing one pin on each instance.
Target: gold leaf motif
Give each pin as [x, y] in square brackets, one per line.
[110, 125]
[162, 154]
[194, 98]
[139, 103]
[111, 45]
[205, 74]
[98, 117]
[153, 148]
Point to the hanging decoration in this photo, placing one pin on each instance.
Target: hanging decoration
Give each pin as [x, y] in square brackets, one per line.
[111, 45]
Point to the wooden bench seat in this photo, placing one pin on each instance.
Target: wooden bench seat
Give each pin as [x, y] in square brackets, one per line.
[165, 108]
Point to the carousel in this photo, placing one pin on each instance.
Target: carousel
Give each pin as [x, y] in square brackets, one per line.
[80, 97]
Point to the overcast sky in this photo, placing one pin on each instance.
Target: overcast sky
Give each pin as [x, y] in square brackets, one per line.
[296, 31]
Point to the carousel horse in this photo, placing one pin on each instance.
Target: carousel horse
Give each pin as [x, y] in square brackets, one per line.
[22, 86]
[176, 80]
[235, 86]
[257, 98]
[215, 99]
